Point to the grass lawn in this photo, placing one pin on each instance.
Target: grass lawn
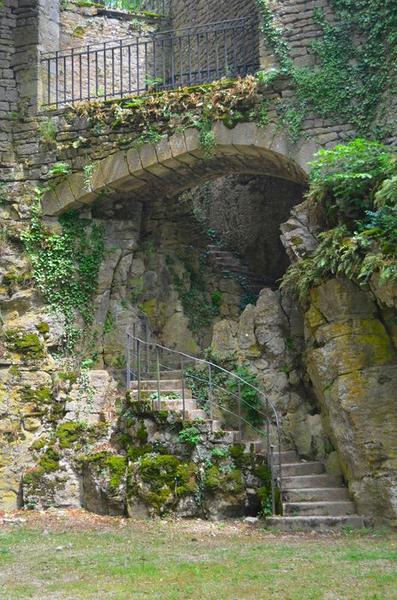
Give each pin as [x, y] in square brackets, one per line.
[74, 555]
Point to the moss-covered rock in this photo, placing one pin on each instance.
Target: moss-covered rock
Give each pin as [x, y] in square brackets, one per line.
[26, 343]
[161, 480]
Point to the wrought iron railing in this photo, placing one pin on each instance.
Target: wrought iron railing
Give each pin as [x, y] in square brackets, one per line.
[158, 7]
[224, 394]
[150, 62]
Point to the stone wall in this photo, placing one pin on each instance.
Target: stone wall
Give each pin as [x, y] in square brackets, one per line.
[236, 49]
[246, 213]
[188, 13]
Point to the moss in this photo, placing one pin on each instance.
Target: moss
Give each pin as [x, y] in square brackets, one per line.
[223, 481]
[239, 456]
[14, 371]
[113, 465]
[149, 307]
[39, 444]
[70, 376]
[141, 433]
[78, 31]
[33, 476]
[168, 479]
[135, 452]
[43, 327]
[263, 473]
[49, 461]
[68, 433]
[41, 395]
[24, 343]
[117, 467]
[140, 407]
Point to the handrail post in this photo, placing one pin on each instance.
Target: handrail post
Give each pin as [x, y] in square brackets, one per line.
[133, 344]
[128, 361]
[138, 352]
[240, 430]
[280, 475]
[147, 348]
[158, 378]
[272, 482]
[183, 390]
[210, 398]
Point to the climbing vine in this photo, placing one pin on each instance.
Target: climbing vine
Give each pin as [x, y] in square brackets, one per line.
[354, 73]
[65, 266]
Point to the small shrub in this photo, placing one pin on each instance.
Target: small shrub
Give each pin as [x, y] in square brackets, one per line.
[190, 436]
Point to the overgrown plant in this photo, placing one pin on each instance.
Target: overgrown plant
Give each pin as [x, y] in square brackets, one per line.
[353, 190]
[65, 266]
[354, 65]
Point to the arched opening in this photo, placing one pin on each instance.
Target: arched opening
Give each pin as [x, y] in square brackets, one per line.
[190, 239]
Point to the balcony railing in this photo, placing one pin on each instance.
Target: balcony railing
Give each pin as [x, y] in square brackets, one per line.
[158, 7]
[150, 62]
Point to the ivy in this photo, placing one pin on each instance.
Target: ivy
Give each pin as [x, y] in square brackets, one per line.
[65, 266]
[354, 74]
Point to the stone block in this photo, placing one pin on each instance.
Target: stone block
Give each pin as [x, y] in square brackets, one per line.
[192, 139]
[163, 150]
[148, 155]
[134, 162]
[177, 144]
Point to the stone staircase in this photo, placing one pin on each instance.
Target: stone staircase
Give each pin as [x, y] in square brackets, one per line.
[312, 499]
[227, 262]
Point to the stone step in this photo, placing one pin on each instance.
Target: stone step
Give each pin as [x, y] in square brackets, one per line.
[256, 446]
[228, 437]
[171, 375]
[216, 424]
[287, 456]
[316, 494]
[302, 468]
[196, 413]
[315, 523]
[332, 509]
[311, 481]
[190, 404]
[166, 385]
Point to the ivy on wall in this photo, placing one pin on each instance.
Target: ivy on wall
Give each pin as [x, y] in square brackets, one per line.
[354, 73]
[65, 266]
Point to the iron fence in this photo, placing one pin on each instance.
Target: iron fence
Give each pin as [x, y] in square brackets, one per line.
[158, 7]
[150, 62]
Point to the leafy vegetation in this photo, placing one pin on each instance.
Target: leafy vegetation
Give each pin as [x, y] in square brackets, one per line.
[65, 266]
[190, 435]
[226, 390]
[354, 74]
[354, 193]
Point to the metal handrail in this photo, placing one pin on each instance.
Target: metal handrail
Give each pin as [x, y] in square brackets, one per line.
[147, 62]
[276, 474]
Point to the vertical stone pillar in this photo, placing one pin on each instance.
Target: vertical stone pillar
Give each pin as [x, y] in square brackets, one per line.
[37, 30]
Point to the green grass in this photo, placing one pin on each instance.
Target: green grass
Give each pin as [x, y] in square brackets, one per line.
[56, 558]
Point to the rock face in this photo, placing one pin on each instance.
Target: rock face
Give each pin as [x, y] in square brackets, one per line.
[142, 465]
[269, 342]
[352, 362]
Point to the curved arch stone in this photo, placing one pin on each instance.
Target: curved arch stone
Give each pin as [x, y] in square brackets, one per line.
[177, 163]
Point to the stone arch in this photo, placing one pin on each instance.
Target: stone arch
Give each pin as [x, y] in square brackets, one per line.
[177, 163]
